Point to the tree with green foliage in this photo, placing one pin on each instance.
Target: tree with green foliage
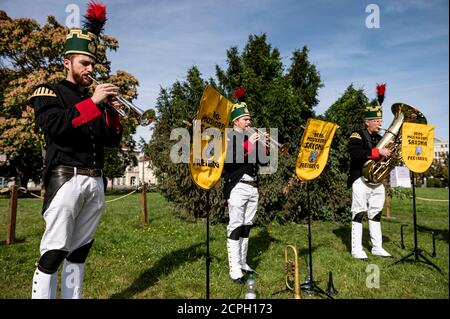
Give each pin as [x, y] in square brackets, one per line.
[278, 97]
[31, 55]
[437, 174]
[174, 106]
[347, 113]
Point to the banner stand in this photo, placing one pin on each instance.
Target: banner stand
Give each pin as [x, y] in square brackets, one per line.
[417, 252]
[310, 287]
[417, 153]
[208, 258]
[311, 160]
[206, 170]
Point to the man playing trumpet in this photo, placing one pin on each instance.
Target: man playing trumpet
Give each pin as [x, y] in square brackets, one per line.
[367, 199]
[76, 128]
[241, 186]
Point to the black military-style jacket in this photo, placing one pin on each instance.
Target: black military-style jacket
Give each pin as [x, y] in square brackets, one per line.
[75, 129]
[235, 167]
[362, 147]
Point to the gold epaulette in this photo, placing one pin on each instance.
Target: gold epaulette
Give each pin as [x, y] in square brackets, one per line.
[355, 135]
[43, 91]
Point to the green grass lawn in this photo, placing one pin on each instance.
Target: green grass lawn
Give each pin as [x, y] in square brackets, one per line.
[166, 257]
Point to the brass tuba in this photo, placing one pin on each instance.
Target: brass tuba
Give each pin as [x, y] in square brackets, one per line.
[291, 271]
[375, 171]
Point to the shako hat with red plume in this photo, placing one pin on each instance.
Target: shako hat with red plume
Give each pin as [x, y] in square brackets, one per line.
[240, 108]
[85, 41]
[376, 112]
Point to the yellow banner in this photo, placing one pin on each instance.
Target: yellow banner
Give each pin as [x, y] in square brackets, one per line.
[208, 149]
[314, 148]
[417, 146]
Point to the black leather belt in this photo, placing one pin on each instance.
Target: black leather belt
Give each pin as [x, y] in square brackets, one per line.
[254, 184]
[93, 172]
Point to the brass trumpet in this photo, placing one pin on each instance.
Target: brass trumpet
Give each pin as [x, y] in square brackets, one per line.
[291, 272]
[270, 143]
[144, 118]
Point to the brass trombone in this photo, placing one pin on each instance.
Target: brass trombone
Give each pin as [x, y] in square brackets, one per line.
[291, 271]
[144, 117]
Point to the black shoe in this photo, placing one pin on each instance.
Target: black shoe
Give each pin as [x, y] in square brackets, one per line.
[240, 281]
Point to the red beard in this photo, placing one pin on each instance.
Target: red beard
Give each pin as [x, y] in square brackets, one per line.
[82, 80]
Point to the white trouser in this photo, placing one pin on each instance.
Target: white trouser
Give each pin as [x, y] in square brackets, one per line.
[370, 199]
[71, 220]
[367, 198]
[242, 206]
[73, 215]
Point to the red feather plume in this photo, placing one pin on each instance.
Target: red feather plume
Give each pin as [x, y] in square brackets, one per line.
[381, 89]
[239, 93]
[95, 17]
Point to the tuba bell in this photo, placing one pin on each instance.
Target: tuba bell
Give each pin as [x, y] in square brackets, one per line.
[291, 271]
[374, 172]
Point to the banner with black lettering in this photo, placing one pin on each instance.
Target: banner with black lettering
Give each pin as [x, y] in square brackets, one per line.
[417, 146]
[314, 148]
[208, 149]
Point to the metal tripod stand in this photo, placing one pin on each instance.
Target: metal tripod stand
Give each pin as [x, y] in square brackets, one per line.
[208, 257]
[416, 252]
[310, 287]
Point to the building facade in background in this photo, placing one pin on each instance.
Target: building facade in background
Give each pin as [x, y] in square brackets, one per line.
[134, 176]
[440, 149]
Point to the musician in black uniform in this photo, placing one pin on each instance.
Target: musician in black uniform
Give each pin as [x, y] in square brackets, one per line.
[76, 127]
[366, 198]
[241, 185]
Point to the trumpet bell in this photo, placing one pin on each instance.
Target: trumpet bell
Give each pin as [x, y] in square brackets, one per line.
[128, 109]
[147, 117]
[144, 118]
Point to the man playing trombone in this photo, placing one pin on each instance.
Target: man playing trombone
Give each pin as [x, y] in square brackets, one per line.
[241, 185]
[76, 128]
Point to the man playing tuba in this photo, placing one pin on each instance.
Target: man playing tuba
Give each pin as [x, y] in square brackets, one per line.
[367, 198]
